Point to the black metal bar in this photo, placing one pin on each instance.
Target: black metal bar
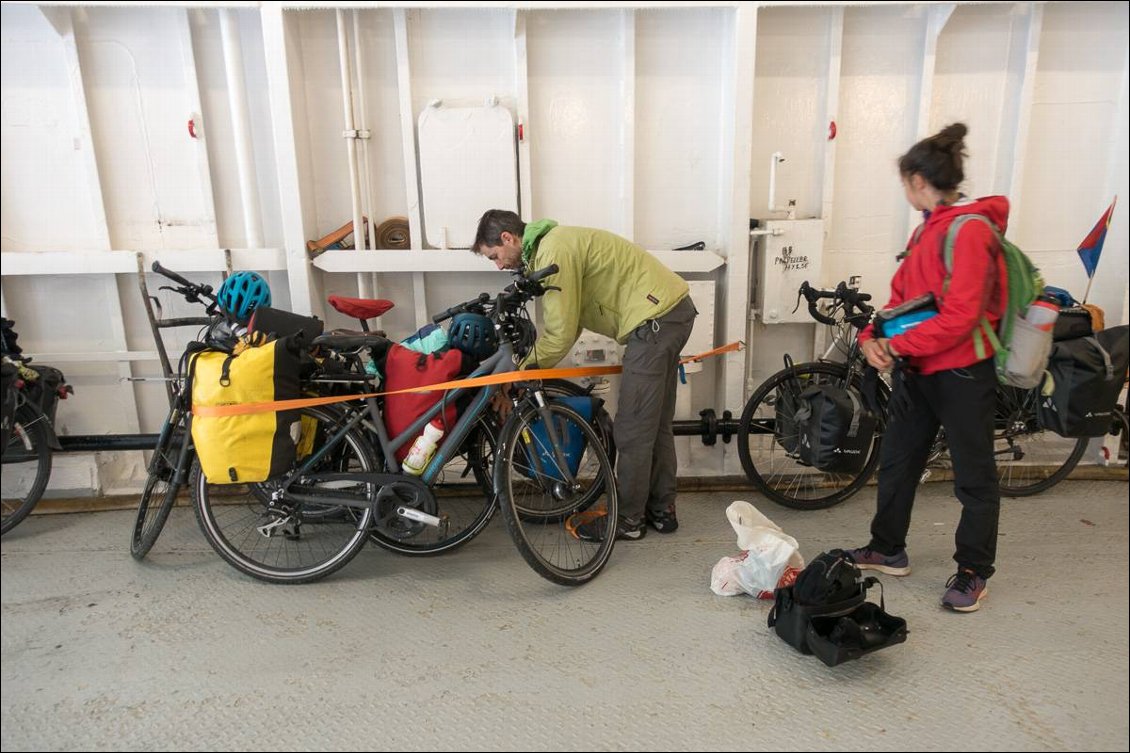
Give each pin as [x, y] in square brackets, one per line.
[708, 427]
[108, 442]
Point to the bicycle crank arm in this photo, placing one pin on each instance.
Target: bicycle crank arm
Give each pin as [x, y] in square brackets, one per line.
[412, 513]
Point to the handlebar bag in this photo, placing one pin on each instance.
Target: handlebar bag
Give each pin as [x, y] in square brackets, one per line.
[253, 447]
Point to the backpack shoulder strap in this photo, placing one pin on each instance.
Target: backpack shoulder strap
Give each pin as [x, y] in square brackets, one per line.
[984, 331]
[951, 241]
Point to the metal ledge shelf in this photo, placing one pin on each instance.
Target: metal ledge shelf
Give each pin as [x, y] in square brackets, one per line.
[420, 260]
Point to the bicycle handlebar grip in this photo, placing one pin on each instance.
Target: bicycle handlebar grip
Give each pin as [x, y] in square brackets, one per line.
[447, 313]
[459, 309]
[170, 274]
[541, 274]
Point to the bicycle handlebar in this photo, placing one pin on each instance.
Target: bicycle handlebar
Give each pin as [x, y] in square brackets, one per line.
[852, 299]
[460, 308]
[525, 286]
[190, 290]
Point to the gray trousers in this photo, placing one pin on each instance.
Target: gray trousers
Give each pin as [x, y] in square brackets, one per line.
[645, 445]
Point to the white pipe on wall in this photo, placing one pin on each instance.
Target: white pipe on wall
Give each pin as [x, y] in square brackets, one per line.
[364, 134]
[363, 287]
[241, 125]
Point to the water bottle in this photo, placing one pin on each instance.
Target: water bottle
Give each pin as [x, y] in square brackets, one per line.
[1043, 312]
[423, 449]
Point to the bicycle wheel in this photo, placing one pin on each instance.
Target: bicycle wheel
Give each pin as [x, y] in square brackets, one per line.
[162, 484]
[26, 460]
[536, 504]
[768, 449]
[1030, 459]
[276, 541]
[464, 498]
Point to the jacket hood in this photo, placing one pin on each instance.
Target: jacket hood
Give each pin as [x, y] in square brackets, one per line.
[535, 231]
[993, 207]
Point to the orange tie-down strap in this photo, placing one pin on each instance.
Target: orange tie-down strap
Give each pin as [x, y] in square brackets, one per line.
[243, 409]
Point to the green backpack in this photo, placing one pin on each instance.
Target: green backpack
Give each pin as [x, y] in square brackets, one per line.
[1024, 285]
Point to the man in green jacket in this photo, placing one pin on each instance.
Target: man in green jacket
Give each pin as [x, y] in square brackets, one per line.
[612, 287]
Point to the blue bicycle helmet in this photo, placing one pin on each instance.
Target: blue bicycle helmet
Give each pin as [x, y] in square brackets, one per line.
[474, 335]
[242, 293]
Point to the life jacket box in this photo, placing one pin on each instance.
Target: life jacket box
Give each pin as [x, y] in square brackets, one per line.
[1086, 376]
[255, 447]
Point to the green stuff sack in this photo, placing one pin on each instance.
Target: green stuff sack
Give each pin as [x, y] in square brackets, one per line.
[254, 447]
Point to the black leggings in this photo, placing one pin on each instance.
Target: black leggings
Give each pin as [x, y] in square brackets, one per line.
[963, 402]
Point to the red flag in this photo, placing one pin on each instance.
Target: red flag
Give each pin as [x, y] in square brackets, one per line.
[1092, 246]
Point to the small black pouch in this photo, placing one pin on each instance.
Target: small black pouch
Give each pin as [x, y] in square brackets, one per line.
[835, 639]
[791, 619]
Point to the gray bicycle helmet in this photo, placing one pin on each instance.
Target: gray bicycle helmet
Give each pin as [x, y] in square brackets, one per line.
[474, 335]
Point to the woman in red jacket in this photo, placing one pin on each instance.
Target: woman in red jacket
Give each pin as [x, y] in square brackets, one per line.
[945, 383]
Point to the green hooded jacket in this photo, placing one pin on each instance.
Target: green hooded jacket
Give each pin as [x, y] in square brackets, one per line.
[609, 285]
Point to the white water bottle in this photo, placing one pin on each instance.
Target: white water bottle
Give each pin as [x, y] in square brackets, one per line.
[423, 449]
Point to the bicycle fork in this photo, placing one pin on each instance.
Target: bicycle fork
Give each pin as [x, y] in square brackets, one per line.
[563, 481]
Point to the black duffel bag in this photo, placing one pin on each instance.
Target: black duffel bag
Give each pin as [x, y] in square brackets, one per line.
[1087, 375]
[1073, 322]
[826, 612]
[834, 428]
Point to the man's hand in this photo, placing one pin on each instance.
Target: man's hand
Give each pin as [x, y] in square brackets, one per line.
[501, 402]
[877, 354]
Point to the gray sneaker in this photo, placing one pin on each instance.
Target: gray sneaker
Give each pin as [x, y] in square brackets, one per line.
[867, 558]
[964, 591]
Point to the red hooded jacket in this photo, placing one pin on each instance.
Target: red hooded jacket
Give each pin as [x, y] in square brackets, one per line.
[975, 289]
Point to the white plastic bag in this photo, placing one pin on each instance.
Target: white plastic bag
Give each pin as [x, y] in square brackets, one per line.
[769, 556]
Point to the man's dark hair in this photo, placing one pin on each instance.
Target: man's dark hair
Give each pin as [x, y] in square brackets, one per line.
[493, 224]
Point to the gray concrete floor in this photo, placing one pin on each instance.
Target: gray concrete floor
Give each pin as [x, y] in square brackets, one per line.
[473, 650]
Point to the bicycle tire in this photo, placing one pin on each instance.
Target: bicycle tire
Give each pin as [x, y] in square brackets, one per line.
[1051, 458]
[279, 558]
[27, 444]
[160, 485]
[777, 473]
[566, 559]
